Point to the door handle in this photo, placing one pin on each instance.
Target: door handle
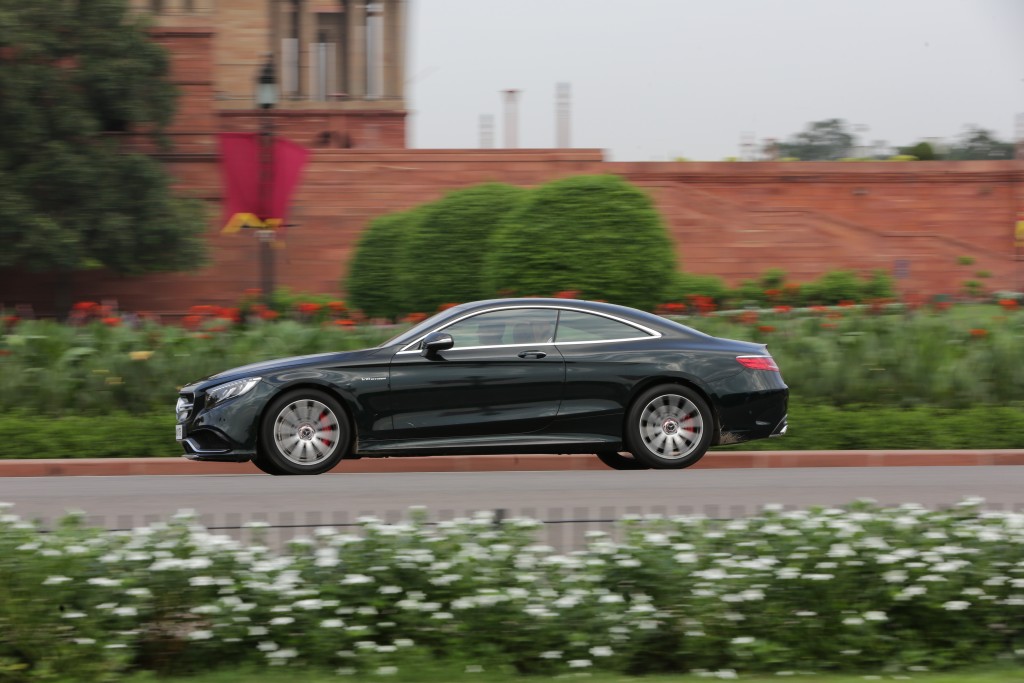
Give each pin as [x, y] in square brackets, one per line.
[532, 354]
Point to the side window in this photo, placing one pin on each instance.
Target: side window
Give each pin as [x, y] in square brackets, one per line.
[574, 326]
[512, 326]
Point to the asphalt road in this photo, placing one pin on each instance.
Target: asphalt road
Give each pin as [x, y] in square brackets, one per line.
[295, 502]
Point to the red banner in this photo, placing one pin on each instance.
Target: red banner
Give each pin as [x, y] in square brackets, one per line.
[246, 189]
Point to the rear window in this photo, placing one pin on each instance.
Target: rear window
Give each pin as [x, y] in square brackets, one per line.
[574, 326]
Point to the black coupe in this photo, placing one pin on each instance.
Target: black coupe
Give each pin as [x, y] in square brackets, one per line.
[502, 376]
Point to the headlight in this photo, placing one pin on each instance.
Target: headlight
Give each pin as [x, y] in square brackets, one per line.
[221, 393]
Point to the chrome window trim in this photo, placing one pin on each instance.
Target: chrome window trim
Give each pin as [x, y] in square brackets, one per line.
[649, 333]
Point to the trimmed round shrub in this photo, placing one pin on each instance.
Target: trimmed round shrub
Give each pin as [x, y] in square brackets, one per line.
[442, 259]
[597, 235]
[373, 277]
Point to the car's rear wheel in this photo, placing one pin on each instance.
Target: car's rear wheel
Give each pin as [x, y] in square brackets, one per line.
[621, 461]
[669, 427]
[303, 432]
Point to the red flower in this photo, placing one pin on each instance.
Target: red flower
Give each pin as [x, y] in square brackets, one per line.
[111, 321]
[345, 322]
[748, 317]
[445, 307]
[819, 309]
[414, 318]
[191, 322]
[766, 329]
[11, 320]
[568, 294]
[5, 352]
[308, 308]
[268, 314]
[337, 306]
[783, 309]
[84, 306]
[979, 332]
[1009, 304]
[846, 303]
[231, 314]
[772, 293]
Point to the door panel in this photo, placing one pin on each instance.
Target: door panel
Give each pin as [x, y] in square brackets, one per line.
[476, 391]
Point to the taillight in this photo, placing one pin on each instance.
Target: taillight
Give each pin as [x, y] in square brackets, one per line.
[758, 363]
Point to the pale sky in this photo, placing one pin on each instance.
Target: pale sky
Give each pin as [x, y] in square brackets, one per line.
[656, 79]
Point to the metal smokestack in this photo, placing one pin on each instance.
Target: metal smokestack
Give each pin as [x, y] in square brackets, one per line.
[511, 118]
[486, 131]
[562, 111]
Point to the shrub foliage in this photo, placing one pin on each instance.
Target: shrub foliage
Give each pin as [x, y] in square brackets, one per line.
[442, 257]
[596, 235]
[375, 271]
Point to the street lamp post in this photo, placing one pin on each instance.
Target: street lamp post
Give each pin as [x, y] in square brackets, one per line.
[266, 96]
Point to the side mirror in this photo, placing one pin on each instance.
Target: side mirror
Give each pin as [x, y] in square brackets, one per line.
[436, 343]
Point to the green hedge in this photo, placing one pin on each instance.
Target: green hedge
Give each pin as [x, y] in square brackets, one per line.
[373, 282]
[443, 255]
[811, 427]
[596, 235]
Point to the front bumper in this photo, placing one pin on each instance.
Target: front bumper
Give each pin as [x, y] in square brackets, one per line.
[227, 431]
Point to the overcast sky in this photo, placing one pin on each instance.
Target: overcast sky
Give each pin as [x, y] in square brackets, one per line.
[656, 79]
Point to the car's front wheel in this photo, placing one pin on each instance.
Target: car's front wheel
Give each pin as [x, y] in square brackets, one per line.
[669, 427]
[303, 432]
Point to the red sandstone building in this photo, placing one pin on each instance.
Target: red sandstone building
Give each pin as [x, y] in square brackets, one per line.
[340, 66]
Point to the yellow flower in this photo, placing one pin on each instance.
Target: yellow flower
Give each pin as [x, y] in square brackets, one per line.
[114, 380]
[140, 355]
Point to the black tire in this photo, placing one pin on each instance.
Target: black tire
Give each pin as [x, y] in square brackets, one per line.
[305, 431]
[669, 427]
[263, 463]
[620, 461]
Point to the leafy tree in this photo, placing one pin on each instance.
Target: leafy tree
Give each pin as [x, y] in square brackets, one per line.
[374, 273]
[442, 259]
[980, 144]
[71, 75]
[922, 151]
[826, 140]
[598, 235]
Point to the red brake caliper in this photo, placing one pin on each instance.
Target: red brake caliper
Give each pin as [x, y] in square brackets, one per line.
[326, 427]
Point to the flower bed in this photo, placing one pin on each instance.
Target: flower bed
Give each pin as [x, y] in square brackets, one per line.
[854, 589]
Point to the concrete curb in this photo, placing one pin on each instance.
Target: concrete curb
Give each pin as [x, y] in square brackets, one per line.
[108, 467]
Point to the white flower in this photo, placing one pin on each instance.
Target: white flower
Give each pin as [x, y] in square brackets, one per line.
[267, 646]
[73, 615]
[55, 580]
[685, 558]
[257, 630]
[894, 576]
[551, 654]
[200, 635]
[287, 653]
[281, 621]
[353, 579]
[853, 621]
[103, 581]
[742, 640]
[84, 641]
[125, 611]
[601, 651]
[876, 616]
[332, 623]
[403, 642]
[386, 670]
[579, 663]
[956, 605]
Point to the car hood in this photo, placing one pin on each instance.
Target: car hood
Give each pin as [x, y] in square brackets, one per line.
[278, 364]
